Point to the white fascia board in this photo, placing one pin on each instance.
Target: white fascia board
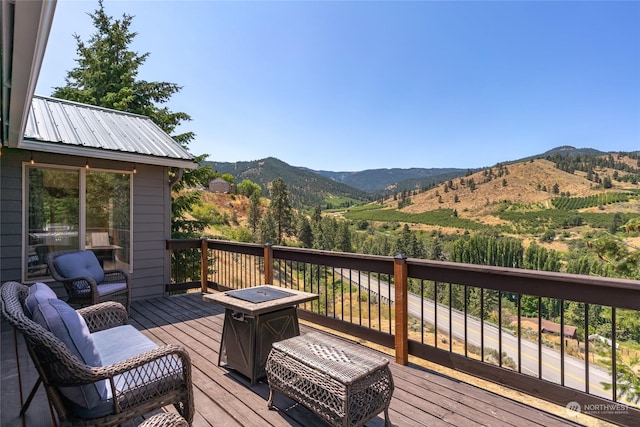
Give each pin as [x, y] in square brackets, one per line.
[31, 27]
[93, 153]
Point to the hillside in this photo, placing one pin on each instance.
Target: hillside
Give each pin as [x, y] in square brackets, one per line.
[576, 171]
[305, 188]
[386, 181]
[521, 183]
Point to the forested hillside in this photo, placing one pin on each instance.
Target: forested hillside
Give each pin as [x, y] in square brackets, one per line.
[573, 211]
[389, 181]
[305, 188]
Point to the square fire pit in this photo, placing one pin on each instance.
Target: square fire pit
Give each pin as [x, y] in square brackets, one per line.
[255, 318]
[259, 294]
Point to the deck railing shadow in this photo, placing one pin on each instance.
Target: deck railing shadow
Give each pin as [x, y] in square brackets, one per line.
[461, 316]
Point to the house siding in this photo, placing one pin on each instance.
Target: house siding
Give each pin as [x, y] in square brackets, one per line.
[151, 205]
[11, 213]
[151, 219]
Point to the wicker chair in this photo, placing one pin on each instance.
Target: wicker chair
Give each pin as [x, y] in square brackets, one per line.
[85, 280]
[137, 385]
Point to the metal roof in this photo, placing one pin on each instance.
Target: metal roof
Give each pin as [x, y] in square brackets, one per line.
[78, 129]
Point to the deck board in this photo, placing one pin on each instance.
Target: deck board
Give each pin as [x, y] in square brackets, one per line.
[225, 398]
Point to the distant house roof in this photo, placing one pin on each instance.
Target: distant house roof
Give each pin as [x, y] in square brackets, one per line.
[65, 127]
[219, 185]
[551, 327]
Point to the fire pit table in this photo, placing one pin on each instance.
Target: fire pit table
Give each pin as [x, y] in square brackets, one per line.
[255, 318]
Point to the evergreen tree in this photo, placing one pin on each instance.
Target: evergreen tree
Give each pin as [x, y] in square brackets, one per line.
[254, 212]
[268, 232]
[280, 209]
[305, 235]
[106, 76]
[317, 215]
[325, 234]
[344, 237]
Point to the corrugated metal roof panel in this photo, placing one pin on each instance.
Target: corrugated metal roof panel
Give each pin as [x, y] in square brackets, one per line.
[64, 122]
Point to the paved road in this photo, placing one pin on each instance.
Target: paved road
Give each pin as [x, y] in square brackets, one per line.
[574, 369]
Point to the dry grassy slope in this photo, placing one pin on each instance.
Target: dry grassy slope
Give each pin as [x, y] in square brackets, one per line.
[230, 203]
[522, 187]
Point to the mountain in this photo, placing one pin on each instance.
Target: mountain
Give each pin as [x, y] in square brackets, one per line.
[563, 151]
[569, 151]
[530, 185]
[386, 181]
[305, 187]
[315, 187]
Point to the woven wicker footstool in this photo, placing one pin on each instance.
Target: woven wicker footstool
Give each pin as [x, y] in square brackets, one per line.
[165, 419]
[343, 383]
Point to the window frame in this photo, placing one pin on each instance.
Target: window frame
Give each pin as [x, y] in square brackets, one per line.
[82, 220]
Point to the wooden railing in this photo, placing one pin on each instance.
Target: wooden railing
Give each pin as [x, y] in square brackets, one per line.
[449, 313]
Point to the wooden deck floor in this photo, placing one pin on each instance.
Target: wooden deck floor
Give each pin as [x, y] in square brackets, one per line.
[225, 398]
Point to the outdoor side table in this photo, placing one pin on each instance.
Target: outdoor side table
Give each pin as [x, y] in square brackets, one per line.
[255, 318]
[343, 383]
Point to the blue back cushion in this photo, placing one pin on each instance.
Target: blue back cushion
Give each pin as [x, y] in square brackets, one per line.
[38, 292]
[80, 264]
[69, 327]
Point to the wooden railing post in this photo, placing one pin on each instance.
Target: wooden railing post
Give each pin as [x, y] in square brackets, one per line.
[204, 266]
[402, 309]
[268, 264]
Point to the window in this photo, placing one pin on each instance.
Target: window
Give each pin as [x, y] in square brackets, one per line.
[77, 209]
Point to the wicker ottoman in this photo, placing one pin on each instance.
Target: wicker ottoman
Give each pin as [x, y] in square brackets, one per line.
[343, 383]
[165, 419]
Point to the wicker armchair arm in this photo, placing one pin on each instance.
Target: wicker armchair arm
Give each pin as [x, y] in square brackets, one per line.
[104, 315]
[148, 357]
[111, 276]
[85, 374]
[73, 280]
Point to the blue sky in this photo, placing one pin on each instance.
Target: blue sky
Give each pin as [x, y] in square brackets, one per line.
[354, 85]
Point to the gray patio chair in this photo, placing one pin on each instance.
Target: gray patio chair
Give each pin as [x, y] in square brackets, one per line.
[85, 280]
[96, 370]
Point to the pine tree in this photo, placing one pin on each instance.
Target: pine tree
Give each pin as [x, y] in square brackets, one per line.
[106, 76]
[344, 237]
[280, 209]
[254, 212]
[305, 235]
[268, 229]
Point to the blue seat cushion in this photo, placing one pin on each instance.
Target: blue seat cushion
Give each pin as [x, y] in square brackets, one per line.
[110, 288]
[69, 327]
[38, 292]
[80, 264]
[121, 343]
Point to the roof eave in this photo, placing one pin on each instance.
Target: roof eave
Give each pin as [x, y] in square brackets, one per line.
[26, 27]
[48, 147]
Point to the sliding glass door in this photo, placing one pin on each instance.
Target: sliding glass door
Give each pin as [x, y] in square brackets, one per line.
[76, 208]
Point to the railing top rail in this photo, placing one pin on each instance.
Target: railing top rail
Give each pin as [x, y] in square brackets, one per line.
[371, 263]
[183, 243]
[621, 293]
[237, 247]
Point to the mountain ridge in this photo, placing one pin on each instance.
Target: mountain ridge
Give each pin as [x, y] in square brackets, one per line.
[310, 187]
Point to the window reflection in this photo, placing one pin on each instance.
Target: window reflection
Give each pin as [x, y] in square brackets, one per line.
[54, 212]
[53, 216]
[108, 217]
